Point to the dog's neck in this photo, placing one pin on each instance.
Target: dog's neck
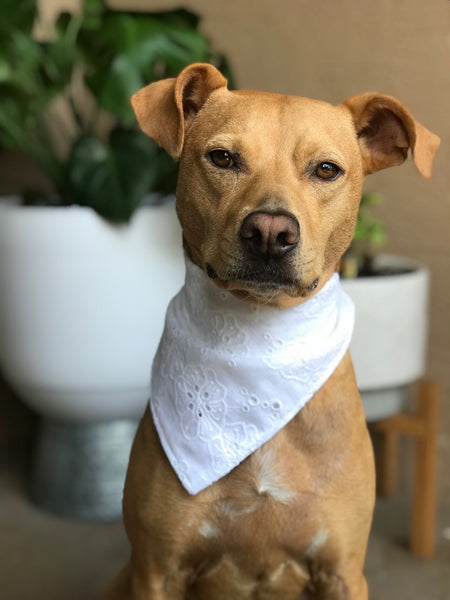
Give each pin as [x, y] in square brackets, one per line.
[229, 375]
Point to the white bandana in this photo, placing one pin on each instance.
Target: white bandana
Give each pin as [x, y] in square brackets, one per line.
[228, 375]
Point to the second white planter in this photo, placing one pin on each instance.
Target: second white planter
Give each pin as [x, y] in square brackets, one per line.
[388, 347]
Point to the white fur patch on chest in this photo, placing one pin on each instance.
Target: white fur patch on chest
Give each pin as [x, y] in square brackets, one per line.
[268, 478]
[317, 543]
[208, 530]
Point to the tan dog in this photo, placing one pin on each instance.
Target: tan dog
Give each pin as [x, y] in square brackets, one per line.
[266, 178]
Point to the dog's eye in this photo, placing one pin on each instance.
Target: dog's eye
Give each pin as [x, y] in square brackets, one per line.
[327, 170]
[222, 159]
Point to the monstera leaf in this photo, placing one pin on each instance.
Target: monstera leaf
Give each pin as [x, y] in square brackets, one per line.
[17, 14]
[111, 177]
[32, 75]
[133, 50]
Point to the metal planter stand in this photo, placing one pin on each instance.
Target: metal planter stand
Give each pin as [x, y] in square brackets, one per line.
[79, 470]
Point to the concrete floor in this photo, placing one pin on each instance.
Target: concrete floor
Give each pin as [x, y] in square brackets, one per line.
[44, 557]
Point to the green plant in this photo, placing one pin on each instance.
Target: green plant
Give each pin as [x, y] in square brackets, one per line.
[97, 58]
[369, 236]
[31, 76]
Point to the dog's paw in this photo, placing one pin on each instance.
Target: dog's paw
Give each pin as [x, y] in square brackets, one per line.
[324, 585]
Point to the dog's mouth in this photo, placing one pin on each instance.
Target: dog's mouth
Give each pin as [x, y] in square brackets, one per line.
[264, 280]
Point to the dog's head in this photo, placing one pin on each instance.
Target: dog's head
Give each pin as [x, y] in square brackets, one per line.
[269, 185]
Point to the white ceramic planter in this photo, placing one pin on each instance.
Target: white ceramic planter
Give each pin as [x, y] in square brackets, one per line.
[388, 347]
[82, 307]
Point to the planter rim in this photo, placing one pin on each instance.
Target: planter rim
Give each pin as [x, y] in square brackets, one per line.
[383, 259]
[12, 207]
[417, 269]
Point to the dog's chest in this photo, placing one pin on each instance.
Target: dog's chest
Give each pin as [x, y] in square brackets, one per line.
[264, 532]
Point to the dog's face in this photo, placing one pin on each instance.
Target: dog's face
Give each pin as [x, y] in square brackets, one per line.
[269, 185]
[268, 192]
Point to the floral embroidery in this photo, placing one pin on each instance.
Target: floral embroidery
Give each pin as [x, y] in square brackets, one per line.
[199, 402]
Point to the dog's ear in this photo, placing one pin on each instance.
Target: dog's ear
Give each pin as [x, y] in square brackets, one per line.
[386, 130]
[165, 109]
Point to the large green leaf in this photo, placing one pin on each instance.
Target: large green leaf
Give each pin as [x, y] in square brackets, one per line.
[32, 74]
[18, 14]
[93, 11]
[111, 178]
[179, 16]
[63, 53]
[134, 49]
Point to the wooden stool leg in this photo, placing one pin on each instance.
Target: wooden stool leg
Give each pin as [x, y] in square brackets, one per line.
[388, 464]
[424, 503]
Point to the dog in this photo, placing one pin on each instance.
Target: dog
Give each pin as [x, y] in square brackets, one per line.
[268, 195]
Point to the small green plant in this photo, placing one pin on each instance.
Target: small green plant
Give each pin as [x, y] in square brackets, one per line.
[100, 57]
[369, 236]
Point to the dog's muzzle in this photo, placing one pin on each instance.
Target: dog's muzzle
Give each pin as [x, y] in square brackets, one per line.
[267, 240]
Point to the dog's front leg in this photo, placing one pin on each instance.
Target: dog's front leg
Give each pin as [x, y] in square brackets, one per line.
[134, 583]
[156, 522]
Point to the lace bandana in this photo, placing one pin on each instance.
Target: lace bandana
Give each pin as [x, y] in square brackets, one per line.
[228, 376]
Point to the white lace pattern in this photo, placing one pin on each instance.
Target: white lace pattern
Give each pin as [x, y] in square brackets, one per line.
[227, 375]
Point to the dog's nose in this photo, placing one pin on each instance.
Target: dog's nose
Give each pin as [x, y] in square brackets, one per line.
[270, 235]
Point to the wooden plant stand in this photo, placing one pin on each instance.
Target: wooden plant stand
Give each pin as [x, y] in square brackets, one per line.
[423, 428]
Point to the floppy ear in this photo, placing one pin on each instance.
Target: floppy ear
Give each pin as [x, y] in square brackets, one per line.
[386, 130]
[165, 109]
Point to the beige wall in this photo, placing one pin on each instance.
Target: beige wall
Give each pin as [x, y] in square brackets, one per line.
[330, 50]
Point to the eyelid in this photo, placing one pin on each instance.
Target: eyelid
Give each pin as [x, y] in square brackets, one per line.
[220, 148]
